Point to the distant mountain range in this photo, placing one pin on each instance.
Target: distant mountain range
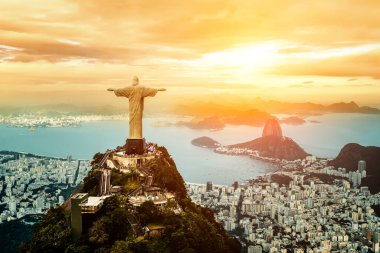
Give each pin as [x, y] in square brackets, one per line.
[257, 111]
[352, 153]
[252, 112]
[211, 123]
[202, 108]
[310, 108]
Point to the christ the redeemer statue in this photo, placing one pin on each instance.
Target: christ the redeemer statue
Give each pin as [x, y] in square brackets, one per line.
[135, 94]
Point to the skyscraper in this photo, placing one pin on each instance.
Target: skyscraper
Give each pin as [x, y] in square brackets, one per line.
[361, 166]
[209, 186]
[105, 182]
[255, 249]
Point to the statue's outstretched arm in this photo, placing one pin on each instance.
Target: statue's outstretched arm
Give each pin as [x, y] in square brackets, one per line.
[110, 89]
[161, 89]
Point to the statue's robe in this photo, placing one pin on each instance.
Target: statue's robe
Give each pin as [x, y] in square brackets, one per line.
[136, 95]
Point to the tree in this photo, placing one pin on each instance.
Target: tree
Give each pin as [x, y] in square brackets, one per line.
[120, 226]
[74, 248]
[111, 203]
[120, 247]
[98, 233]
[148, 212]
[91, 182]
[52, 233]
[97, 158]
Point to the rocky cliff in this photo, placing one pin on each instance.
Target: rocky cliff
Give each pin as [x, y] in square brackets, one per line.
[275, 147]
[273, 144]
[272, 128]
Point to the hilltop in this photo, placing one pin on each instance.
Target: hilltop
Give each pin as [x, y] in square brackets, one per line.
[272, 145]
[352, 153]
[123, 224]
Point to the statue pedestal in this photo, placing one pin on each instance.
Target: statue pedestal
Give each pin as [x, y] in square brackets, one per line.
[135, 146]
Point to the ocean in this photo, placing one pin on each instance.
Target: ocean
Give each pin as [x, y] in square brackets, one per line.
[197, 165]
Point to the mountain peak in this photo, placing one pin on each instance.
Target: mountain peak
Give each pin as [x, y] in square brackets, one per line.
[272, 128]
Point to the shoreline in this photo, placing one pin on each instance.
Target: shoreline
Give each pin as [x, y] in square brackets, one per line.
[40, 156]
[258, 158]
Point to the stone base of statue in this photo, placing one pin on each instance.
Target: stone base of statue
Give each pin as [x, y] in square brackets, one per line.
[135, 146]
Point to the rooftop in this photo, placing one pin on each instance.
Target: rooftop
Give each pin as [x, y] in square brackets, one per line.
[79, 195]
[94, 201]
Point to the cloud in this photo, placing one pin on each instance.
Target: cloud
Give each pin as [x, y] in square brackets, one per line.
[83, 44]
[346, 66]
[360, 85]
[301, 86]
[123, 31]
[70, 42]
[198, 26]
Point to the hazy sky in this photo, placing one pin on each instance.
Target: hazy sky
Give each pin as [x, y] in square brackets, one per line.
[71, 51]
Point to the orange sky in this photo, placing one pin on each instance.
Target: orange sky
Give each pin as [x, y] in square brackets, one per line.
[71, 51]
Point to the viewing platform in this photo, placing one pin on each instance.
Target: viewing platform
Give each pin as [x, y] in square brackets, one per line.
[92, 204]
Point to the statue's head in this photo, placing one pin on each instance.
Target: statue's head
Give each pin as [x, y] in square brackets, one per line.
[135, 81]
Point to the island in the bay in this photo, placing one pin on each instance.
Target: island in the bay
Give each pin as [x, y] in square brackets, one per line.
[205, 142]
[273, 146]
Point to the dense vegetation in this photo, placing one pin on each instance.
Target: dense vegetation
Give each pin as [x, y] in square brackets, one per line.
[12, 234]
[115, 230]
[166, 174]
[51, 234]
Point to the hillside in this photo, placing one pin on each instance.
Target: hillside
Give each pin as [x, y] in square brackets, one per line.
[273, 144]
[119, 227]
[274, 147]
[352, 153]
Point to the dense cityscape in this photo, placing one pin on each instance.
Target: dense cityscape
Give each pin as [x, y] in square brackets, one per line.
[61, 120]
[306, 206]
[32, 184]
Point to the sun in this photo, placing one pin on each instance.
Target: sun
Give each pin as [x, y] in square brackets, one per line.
[251, 57]
[242, 63]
